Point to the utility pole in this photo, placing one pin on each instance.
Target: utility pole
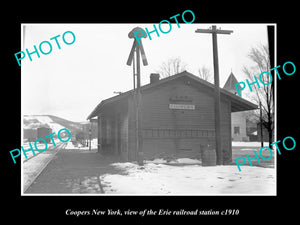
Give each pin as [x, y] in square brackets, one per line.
[137, 49]
[214, 31]
[261, 125]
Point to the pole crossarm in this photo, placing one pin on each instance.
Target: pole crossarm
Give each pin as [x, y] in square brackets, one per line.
[210, 31]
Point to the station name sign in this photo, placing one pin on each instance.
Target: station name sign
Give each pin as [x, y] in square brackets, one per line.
[181, 106]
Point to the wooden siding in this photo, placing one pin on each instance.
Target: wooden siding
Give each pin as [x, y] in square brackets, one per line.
[166, 132]
[182, 132]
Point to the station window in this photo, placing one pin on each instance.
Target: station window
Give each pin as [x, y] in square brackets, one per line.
[236, 130]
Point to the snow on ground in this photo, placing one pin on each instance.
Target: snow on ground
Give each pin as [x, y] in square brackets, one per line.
[162, 179]
[248, 144]
[175, 161]
[32, 168]
[42, 120]
[78, 146]
[29, 153]
[70, 145]
[34, 165]
[89, 185]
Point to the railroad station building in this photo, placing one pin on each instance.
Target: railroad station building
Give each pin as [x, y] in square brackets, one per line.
[177, 119]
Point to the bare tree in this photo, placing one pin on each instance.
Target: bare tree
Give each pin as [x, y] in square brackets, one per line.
[171, 67]
[264, 95]
[205, 74]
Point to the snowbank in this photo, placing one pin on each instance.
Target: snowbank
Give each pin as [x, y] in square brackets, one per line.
[163, 179]
[175, 161]
[188, 161]
[248, 144]
[78, 146]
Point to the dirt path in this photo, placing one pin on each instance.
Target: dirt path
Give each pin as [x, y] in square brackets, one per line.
[73, 172]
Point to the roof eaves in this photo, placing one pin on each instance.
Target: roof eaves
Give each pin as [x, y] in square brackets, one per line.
[93, 113]
[107, 101]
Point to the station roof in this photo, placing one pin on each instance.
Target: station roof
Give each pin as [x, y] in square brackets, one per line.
[237, 103]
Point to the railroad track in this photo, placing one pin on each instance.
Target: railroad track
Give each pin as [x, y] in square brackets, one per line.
[37, 153]
[35, 164]
[29, 154]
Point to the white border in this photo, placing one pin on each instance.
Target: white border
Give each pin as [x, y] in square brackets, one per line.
[108, 195]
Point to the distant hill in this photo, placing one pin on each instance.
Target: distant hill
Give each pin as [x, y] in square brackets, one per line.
[54, 122]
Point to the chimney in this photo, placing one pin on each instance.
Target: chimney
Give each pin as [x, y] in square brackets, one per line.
[154, 77]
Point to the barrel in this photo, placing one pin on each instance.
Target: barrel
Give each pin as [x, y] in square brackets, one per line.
[209, 157]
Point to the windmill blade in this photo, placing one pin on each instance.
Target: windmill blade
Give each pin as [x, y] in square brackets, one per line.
[145, 62]
[130, 58]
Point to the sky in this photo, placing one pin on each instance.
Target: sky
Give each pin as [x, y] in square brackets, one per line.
[71, 81]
